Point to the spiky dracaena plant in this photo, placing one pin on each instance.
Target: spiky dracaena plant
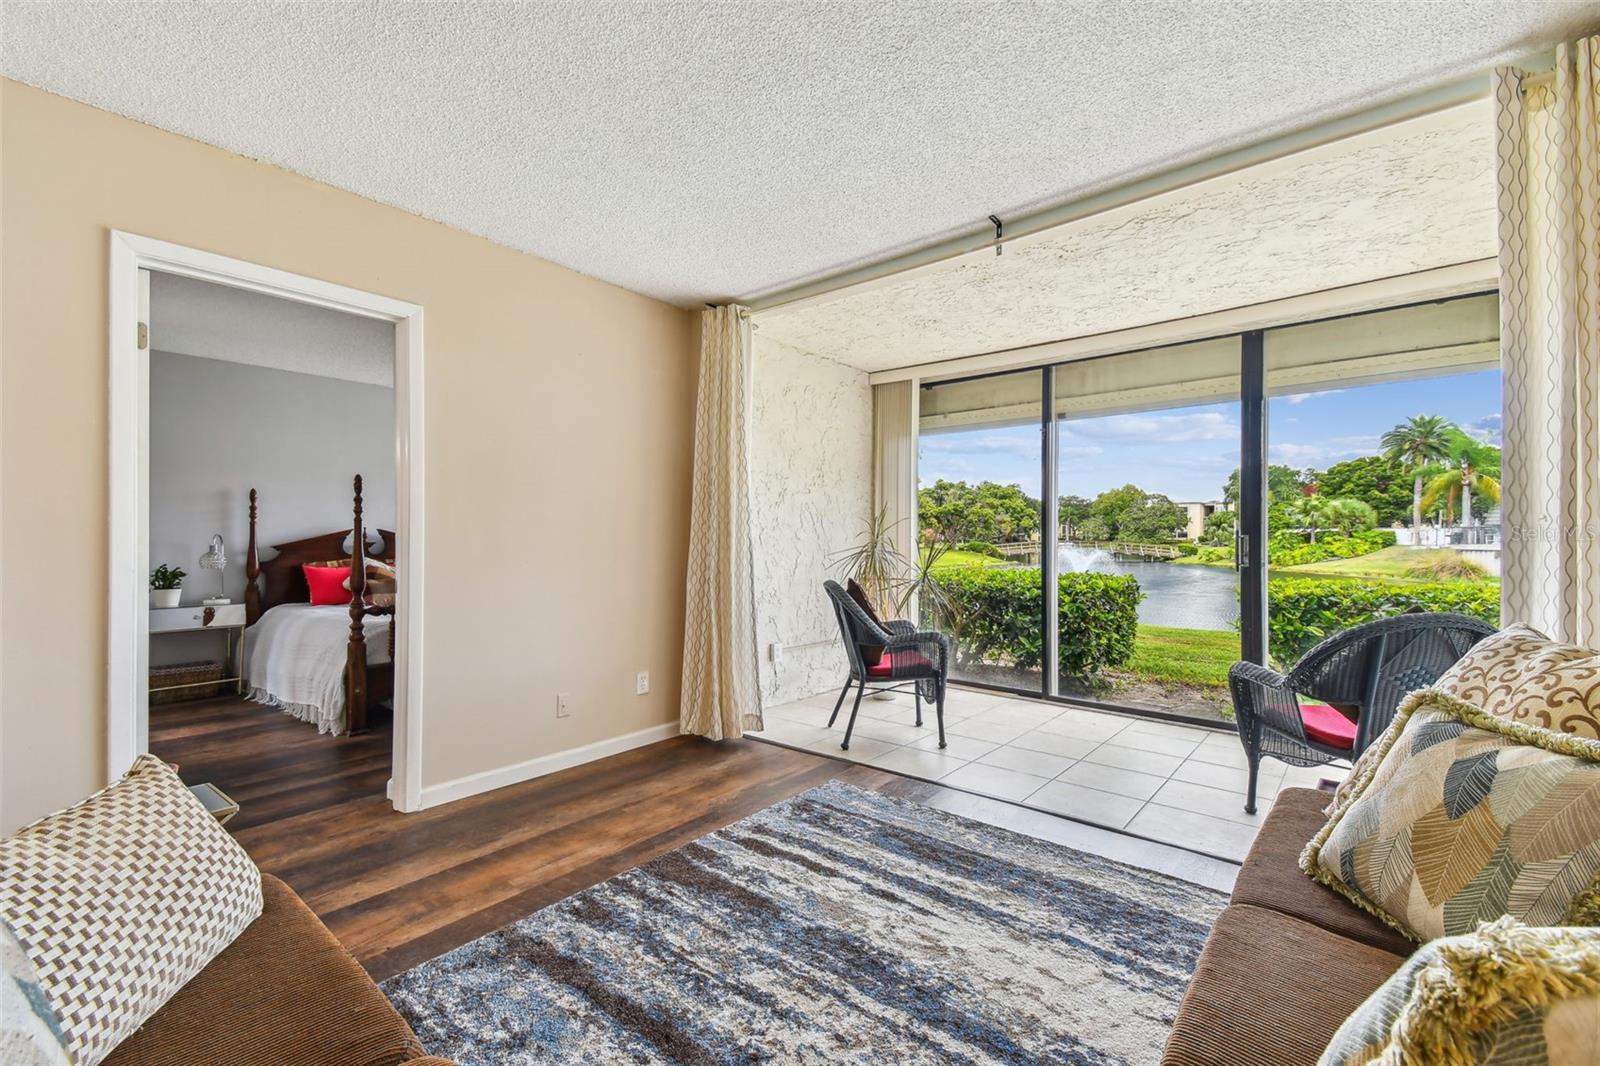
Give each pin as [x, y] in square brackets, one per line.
[875, 563]
[891, 581]
[923, 588]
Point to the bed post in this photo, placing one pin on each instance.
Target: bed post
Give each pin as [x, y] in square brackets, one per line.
[252, 571]
[355, 669]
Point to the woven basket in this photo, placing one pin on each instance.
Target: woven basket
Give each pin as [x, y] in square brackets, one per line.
[186, 674]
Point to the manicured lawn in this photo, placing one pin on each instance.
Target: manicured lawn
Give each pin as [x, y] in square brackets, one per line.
[1391, 563]
[952, 559]
[1184, 656]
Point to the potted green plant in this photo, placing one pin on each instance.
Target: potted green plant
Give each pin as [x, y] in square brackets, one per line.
[166, 585]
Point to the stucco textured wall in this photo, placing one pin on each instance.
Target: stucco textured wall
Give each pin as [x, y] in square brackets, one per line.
[811, 467]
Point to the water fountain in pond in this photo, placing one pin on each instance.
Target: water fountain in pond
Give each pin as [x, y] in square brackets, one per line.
[1071, 559]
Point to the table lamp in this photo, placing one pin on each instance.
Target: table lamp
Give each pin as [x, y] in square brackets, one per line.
[215, 558]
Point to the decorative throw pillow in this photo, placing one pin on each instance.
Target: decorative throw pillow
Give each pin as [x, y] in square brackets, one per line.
[1521, 674]
[30, 1032]
[328, 585]
[120, 900]
[869, 652]
[1506, 994]
[1467, 817]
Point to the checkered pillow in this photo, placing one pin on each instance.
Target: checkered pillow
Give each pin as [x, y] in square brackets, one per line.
[120, 900]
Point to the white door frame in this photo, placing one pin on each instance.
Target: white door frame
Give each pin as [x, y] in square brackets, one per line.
[128, 619]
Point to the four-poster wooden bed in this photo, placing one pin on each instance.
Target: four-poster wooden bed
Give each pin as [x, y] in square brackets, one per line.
[281, 581]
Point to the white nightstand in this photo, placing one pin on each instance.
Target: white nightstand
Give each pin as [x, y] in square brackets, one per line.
[226, 618]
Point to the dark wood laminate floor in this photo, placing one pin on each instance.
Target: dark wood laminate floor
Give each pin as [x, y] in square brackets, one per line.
[398, 889]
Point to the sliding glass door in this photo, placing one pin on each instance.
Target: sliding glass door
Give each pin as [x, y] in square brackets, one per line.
[1107, 530]
[1146, 448]
[1384, 468]
[980, 464]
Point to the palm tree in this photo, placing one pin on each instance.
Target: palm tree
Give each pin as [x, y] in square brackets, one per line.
[1350, 515]
[1466, 477]
[1422, 440]
[1311, 513]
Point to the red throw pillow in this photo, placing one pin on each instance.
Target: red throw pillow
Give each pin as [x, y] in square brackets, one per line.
[327, 585]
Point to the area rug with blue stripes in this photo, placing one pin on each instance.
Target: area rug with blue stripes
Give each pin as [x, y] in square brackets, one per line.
[840, 926]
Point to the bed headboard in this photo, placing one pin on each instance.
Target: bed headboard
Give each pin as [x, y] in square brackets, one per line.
[280, 579]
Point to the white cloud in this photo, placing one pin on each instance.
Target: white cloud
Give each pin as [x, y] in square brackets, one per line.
[1157, 429]
[1323, 453]
[1485, 429]
[1026, 447]
[1302, 397]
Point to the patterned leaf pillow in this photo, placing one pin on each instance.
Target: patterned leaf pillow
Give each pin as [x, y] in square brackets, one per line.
[1506, 995]
[1466, 818]
[121, 899]
[1521, 674]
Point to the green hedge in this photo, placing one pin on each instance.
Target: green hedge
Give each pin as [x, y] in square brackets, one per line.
[998, 615]
[981, 547]
[1301, 611]
[1290, 549]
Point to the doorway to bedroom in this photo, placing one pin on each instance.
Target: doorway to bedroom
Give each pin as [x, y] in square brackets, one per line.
[271, 532]
[265, 566]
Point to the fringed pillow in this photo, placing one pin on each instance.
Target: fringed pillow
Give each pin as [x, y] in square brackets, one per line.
[1464, 818]
[1507, 994]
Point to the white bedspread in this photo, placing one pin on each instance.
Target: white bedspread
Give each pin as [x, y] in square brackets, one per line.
[296, 657]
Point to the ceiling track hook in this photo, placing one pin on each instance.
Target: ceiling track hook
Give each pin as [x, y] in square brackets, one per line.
[999, 231]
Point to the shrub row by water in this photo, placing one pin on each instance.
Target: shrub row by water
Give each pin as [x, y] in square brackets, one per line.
[1301, 611]
[999, 612]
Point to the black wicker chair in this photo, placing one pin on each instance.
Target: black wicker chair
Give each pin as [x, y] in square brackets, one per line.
[1365, 670]
[914, 658]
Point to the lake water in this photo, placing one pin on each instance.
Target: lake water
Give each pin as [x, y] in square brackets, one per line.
[1179, 595]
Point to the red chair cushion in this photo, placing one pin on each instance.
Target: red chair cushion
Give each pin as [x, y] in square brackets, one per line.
[908, 660]
[1327, 726]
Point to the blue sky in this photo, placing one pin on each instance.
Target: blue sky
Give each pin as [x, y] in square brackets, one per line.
[1187, 453]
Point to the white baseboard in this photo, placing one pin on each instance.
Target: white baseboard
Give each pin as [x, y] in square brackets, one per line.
[488, 780]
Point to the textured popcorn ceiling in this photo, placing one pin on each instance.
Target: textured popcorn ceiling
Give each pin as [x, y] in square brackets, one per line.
[211, 321]
[1400, 200]
[698, 150]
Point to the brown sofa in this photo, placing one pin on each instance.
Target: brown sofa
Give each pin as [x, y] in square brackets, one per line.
[1288, 961]
[286, 993]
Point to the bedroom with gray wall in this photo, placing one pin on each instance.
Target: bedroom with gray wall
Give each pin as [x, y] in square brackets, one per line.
[222, 426]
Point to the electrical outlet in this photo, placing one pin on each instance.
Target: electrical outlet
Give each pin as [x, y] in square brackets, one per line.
[563, 705]
[641, 683]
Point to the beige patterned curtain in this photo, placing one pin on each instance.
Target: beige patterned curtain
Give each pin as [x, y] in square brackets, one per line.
[1548, 175]
[721, 688]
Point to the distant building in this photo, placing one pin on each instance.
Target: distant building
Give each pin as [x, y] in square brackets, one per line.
[1198, 511]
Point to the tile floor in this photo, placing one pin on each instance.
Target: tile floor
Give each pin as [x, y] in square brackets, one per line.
[1173, 783]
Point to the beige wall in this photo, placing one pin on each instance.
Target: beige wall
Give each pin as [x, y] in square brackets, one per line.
[558, 444]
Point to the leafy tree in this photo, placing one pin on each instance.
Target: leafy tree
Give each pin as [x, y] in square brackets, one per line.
[1071, 511]
[1417, 442]
[1375, 479]
[1094, 528]
[1284, 483]
[1155, 519]
[987, 511]
[1130, 513]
